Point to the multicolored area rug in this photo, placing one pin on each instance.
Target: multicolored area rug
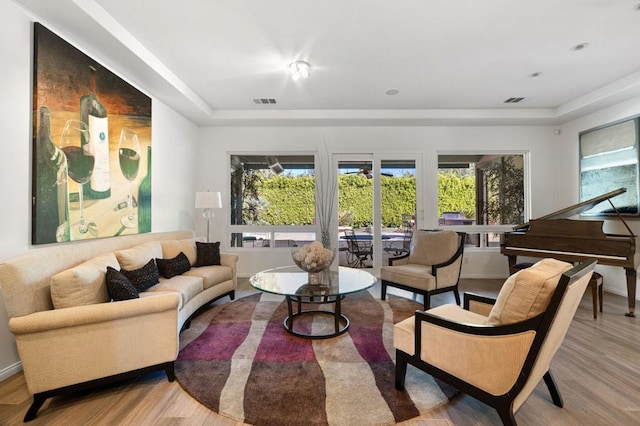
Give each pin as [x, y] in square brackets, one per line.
[244, 365]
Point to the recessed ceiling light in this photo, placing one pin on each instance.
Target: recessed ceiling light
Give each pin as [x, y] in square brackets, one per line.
[637, 6]
[391, 92]
[580, 46]
[535, 74]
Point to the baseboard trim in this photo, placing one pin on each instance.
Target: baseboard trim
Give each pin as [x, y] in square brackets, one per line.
[10, 371]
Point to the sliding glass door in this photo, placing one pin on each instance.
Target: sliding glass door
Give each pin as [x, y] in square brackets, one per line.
[377, 199]
[355, 210]
[397, 207]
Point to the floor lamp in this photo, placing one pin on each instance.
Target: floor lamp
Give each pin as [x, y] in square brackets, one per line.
[208, 201]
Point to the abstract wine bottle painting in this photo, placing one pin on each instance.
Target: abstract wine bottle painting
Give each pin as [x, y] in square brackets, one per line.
[91, 147]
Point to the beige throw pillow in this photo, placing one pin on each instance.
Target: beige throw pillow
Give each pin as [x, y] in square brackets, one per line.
[138, 256]
[527, 293]
[172, 248]
[84, 284]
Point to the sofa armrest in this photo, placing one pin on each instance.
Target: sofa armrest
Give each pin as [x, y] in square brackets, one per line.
[91, 314]
[231, 260]
[64, 347]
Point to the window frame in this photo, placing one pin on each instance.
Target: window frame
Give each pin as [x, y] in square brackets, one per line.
[270, 229]
[588, 140]
[485, 230]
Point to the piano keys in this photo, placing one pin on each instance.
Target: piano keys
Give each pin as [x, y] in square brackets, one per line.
[556, 236]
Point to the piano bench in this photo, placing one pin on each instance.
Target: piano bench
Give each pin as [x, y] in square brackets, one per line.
[520, 266]
[596, 293]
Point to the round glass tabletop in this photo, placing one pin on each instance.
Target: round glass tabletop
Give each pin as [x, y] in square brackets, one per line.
[292, 281]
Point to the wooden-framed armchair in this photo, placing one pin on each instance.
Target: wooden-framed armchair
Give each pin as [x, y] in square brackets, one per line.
[432, 265]
[497, 353]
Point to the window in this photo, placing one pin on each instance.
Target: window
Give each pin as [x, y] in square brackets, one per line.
[484, 191]
[608, 161]
[272, 200]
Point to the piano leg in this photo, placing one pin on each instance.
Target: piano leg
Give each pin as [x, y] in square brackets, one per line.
[631, 291]
[512, 261]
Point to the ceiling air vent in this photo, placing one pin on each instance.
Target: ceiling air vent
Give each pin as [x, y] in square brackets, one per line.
[264, 101]
[513, 100]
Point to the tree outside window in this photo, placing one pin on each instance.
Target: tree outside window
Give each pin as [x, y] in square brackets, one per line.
[481, 189]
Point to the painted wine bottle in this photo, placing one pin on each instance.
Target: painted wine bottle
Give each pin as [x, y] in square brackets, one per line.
[144, 198]
[50, 192]
[94, 113]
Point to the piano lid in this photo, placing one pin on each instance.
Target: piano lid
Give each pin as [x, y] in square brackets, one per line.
[576, 209]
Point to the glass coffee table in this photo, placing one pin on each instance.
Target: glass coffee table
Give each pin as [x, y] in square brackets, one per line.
[334, 284]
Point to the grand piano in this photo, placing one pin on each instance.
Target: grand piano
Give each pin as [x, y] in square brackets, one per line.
[556, 236]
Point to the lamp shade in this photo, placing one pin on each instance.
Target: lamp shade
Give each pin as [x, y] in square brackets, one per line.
[208, 200]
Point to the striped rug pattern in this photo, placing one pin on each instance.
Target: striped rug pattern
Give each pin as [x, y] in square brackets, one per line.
[244, 365]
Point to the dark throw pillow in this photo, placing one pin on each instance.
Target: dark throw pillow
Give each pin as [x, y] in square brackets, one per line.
[171, 267]
[119, 287]
[145, 277]
[207, 254]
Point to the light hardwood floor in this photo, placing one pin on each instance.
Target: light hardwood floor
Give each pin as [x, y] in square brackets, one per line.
[597, 370]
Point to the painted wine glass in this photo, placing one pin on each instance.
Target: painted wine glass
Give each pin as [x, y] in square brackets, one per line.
[129, 156]
[74, 142]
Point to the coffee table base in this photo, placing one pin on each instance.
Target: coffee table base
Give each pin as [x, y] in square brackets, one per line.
[341, 322]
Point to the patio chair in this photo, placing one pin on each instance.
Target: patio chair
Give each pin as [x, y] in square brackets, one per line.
[404, 247]
[358, 250]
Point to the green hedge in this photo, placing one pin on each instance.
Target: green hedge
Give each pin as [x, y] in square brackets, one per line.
[287, 200]
[457, 194]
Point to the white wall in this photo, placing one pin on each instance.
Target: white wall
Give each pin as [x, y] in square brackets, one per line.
[614, 279]
[15, 161]
[540, 141]
[174, 142]
[174, 178]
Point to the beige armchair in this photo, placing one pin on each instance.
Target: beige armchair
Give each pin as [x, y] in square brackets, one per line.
[497, 353]
[432, 265]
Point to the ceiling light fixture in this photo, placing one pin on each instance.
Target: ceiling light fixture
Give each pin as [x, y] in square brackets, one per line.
[299, 69]
[392, 92]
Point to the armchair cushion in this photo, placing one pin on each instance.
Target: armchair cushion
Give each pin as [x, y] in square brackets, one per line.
[527, 293]
[431, 248]
[414, 275]
[404, 331]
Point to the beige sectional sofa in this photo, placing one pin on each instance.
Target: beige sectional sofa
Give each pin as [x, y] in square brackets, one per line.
[70, 335]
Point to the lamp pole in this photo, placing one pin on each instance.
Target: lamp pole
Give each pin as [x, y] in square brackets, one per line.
[208, 201]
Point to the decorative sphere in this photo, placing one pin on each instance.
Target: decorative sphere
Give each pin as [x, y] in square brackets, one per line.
[312, 257]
